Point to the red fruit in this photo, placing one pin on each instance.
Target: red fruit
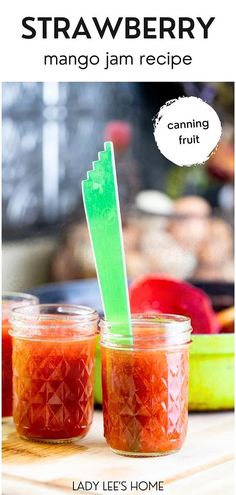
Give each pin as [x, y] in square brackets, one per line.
[120, 133]
[221, 163]
[168, 295]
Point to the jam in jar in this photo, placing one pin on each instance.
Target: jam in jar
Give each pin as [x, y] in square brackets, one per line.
[145, 384]
[10, 300]
[53, 371]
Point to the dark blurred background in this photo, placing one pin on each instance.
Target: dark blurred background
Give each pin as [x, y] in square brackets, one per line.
[51, 134]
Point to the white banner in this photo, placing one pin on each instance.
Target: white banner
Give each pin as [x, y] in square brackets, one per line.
[107, 41]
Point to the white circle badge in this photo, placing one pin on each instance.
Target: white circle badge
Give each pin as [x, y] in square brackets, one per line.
[187, 131]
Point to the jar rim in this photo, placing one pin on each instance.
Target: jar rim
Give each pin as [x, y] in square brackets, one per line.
[167, 320]
[75, 311]
[163, 330]
[29, 317]
[18, 296]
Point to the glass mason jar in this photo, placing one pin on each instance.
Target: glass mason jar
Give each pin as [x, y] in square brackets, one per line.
[145, 384]
[53, 371]
[10, 300]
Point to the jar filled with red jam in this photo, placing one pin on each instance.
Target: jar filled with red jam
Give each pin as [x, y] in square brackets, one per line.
[145, 384]
[53, 371]
[10, 300]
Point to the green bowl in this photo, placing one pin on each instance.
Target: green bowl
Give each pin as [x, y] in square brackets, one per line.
[98, 374]
[211, 381]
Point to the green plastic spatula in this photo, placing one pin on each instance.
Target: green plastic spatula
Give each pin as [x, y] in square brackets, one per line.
[101, 201]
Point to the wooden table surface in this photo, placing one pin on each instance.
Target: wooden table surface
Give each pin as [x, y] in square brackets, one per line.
[203, 467]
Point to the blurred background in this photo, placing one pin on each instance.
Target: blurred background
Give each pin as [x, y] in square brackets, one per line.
[176, 220]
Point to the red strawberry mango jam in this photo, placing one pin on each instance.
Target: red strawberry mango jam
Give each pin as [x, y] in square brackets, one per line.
[6, 369]
[53, 384]
[145, 399]
[167, 295]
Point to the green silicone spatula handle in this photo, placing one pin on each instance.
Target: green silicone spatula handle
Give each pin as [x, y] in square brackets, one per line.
[101, 201]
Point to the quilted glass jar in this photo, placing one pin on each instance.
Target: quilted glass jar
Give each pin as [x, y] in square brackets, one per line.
[10, 300]
[53, 371]
[145, 385]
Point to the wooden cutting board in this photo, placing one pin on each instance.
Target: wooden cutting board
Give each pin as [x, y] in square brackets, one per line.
[204, 465]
